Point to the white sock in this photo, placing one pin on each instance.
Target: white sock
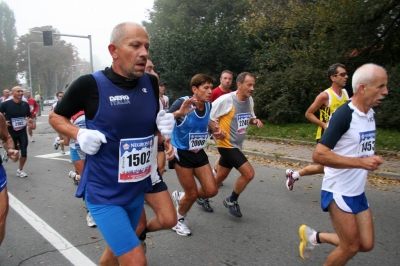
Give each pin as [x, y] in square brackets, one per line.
[313, 239]
[180, 216]
[296, 175]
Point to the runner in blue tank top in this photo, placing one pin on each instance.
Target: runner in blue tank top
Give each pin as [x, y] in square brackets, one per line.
[189, 137]
[121, 105]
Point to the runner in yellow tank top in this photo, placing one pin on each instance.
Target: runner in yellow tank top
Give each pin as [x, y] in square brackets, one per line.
[326, 102]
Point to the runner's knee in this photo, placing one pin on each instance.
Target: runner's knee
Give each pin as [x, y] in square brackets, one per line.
[366, 246]
[167, 220]
[192, 194]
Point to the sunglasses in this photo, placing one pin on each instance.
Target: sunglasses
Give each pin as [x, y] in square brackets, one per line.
[343, 74]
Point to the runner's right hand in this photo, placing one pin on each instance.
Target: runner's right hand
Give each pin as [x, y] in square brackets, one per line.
[90, 140]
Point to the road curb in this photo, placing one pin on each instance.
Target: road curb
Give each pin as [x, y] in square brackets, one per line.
[297, 160]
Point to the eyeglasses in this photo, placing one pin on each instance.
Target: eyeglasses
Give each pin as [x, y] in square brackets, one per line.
[343, 74]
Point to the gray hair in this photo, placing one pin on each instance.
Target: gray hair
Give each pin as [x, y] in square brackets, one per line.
[119, 33]
[242, 76]
[364, 75]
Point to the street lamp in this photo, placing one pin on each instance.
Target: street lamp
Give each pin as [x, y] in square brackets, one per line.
[29, 63]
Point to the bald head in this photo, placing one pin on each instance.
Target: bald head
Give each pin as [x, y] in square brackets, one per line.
[129, 49]
[17, 93]
[122, 30]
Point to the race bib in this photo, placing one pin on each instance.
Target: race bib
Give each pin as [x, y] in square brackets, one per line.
[18, 123]
[243, 122]
[366, 146]
[135, 158]
[197, 141]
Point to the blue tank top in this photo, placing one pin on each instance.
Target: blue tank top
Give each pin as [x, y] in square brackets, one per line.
[192, 133]
[122, 114]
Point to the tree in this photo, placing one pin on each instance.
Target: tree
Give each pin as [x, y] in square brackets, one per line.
[51, 66]
[8, 35]
[197, 37]
[299, 39]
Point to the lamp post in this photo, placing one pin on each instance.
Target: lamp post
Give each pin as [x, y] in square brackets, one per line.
[29, 64]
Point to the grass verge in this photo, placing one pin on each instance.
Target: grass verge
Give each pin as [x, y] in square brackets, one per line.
[386, 140]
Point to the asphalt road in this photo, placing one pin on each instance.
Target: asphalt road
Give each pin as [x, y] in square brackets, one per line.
[267, 234]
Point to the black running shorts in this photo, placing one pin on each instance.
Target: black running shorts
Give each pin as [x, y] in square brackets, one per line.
[188, 159]
[231, 158]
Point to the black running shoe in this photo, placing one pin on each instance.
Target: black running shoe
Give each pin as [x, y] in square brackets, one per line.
[233, 207]
[205, 203]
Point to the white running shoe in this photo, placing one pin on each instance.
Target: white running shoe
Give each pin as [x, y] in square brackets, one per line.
[182, 228]
[307, 244]
[289, 179]
[21, 173]
[4, 158]
[89, 220]
[176, 197]
[56, 143]
[74, 176]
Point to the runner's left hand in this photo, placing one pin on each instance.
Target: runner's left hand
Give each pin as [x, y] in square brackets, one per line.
[165, 123]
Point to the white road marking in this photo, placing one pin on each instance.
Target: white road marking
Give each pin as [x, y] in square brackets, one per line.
[60, 243]
[55, 156]
[52, 155]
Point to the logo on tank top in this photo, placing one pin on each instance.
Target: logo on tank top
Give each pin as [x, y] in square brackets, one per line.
[119, 99]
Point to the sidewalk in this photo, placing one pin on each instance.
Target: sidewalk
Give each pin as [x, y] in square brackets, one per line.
[302, 153]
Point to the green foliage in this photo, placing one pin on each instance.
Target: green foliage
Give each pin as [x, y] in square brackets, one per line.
[8, 34]
[299, 39]
[200, 37]
[287, 44]
[387, 114]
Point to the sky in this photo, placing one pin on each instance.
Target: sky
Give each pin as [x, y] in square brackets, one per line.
[80, 17]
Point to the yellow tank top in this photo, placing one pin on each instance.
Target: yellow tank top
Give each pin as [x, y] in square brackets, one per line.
[334, 102]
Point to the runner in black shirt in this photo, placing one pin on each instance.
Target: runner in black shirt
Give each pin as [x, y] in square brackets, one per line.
[18, 114]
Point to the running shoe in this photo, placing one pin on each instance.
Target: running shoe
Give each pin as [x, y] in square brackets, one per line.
[4, 158]
[182, 228]
[144, 246]
[306, 245]
[176, 197]
[62, 152]
[233, 207]
[21, 173]
[205, 203]
[32, 139]
[289, 179]
[89, 220]
[56, 143]
[73, 175]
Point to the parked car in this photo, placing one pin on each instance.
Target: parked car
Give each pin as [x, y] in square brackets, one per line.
[49, 101]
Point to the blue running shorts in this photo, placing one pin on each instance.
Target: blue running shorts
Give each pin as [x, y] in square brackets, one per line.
[352, 205]
[3, 178]
[118, 223]
[76, 154]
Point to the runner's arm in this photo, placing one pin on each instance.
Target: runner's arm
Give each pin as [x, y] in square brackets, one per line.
[320, 101]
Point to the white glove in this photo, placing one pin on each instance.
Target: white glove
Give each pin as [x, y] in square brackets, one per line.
[165, 123]
[90, 140]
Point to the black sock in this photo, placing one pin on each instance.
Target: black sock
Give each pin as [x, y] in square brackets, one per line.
[234, 196]
[317, 237]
